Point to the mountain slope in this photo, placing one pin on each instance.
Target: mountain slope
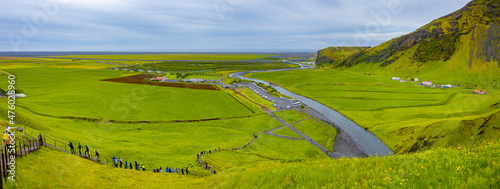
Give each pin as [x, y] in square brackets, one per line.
[474, 28]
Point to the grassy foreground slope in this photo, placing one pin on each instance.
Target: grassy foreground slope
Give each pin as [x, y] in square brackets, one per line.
[464, 167]
[49, 168]
[467, 167]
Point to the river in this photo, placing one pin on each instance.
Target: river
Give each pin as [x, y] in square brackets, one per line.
[370, 144]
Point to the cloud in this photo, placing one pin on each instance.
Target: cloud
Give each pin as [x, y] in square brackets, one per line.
[167, 25]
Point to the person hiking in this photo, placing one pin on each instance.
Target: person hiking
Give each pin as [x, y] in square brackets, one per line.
[87, 151]
[182, 170]
[7, 137]
[40, 138]
[126, 164]
[161, 169]
[115, 161]
[97, 156]
[143, 167]
[80, 148]
[187, 172]
[130, 165]
[136, 166]
[71, 147]
[121, 162]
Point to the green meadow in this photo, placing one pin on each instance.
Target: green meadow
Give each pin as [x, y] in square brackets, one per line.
[405, 116]
[80, 93]
[291, 116]
[285, 131]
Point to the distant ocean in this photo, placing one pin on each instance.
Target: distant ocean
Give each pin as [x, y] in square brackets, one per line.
[63, 53]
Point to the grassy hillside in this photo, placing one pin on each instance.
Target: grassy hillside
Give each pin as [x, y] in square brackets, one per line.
[474, 166]
[466, 167]
[471, 32]
[48, 168]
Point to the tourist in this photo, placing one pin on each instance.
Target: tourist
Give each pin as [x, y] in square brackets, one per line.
[126, 164]
[130, 165]
[97, 156]
[143, 167]
[161, 169]
[40, 138]
[71, 147]
[115, 161]
[80, 149]
[136, 166]
[87, 152]
[121, 162]
[182, 170]
[187, 172]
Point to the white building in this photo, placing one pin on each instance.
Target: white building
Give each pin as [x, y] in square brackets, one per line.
[416, 79]
[428, 83]
[395, 78]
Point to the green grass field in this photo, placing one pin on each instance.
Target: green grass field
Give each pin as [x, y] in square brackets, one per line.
[73, 92]
[285, 131]
[319, 131]
[291, 116]
[398, 113]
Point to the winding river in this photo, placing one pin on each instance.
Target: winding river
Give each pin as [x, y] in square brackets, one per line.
[367, 141]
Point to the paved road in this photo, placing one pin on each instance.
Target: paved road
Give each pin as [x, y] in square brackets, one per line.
[365, 142]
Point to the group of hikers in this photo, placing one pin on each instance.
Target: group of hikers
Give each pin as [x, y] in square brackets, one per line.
[118, 162]
[86, 153]
[171, 170]
[128, 165]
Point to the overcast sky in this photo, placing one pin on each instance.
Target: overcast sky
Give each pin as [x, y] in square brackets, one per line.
[210, 25]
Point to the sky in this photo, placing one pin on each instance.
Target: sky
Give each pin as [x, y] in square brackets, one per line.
[210, 25]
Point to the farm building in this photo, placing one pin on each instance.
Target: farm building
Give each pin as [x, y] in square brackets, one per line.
[480, 92]
[161, 79]
[402, 80]
[416, 79]
[395, 78]
[428, 83]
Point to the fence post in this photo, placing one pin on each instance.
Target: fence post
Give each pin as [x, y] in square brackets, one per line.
[6, 159]
[21, 148]
[2, 166]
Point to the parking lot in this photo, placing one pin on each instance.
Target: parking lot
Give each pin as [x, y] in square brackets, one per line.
[279, 103]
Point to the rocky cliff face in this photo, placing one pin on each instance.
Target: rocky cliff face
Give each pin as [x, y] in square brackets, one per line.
[335, 56]
[476, 25]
